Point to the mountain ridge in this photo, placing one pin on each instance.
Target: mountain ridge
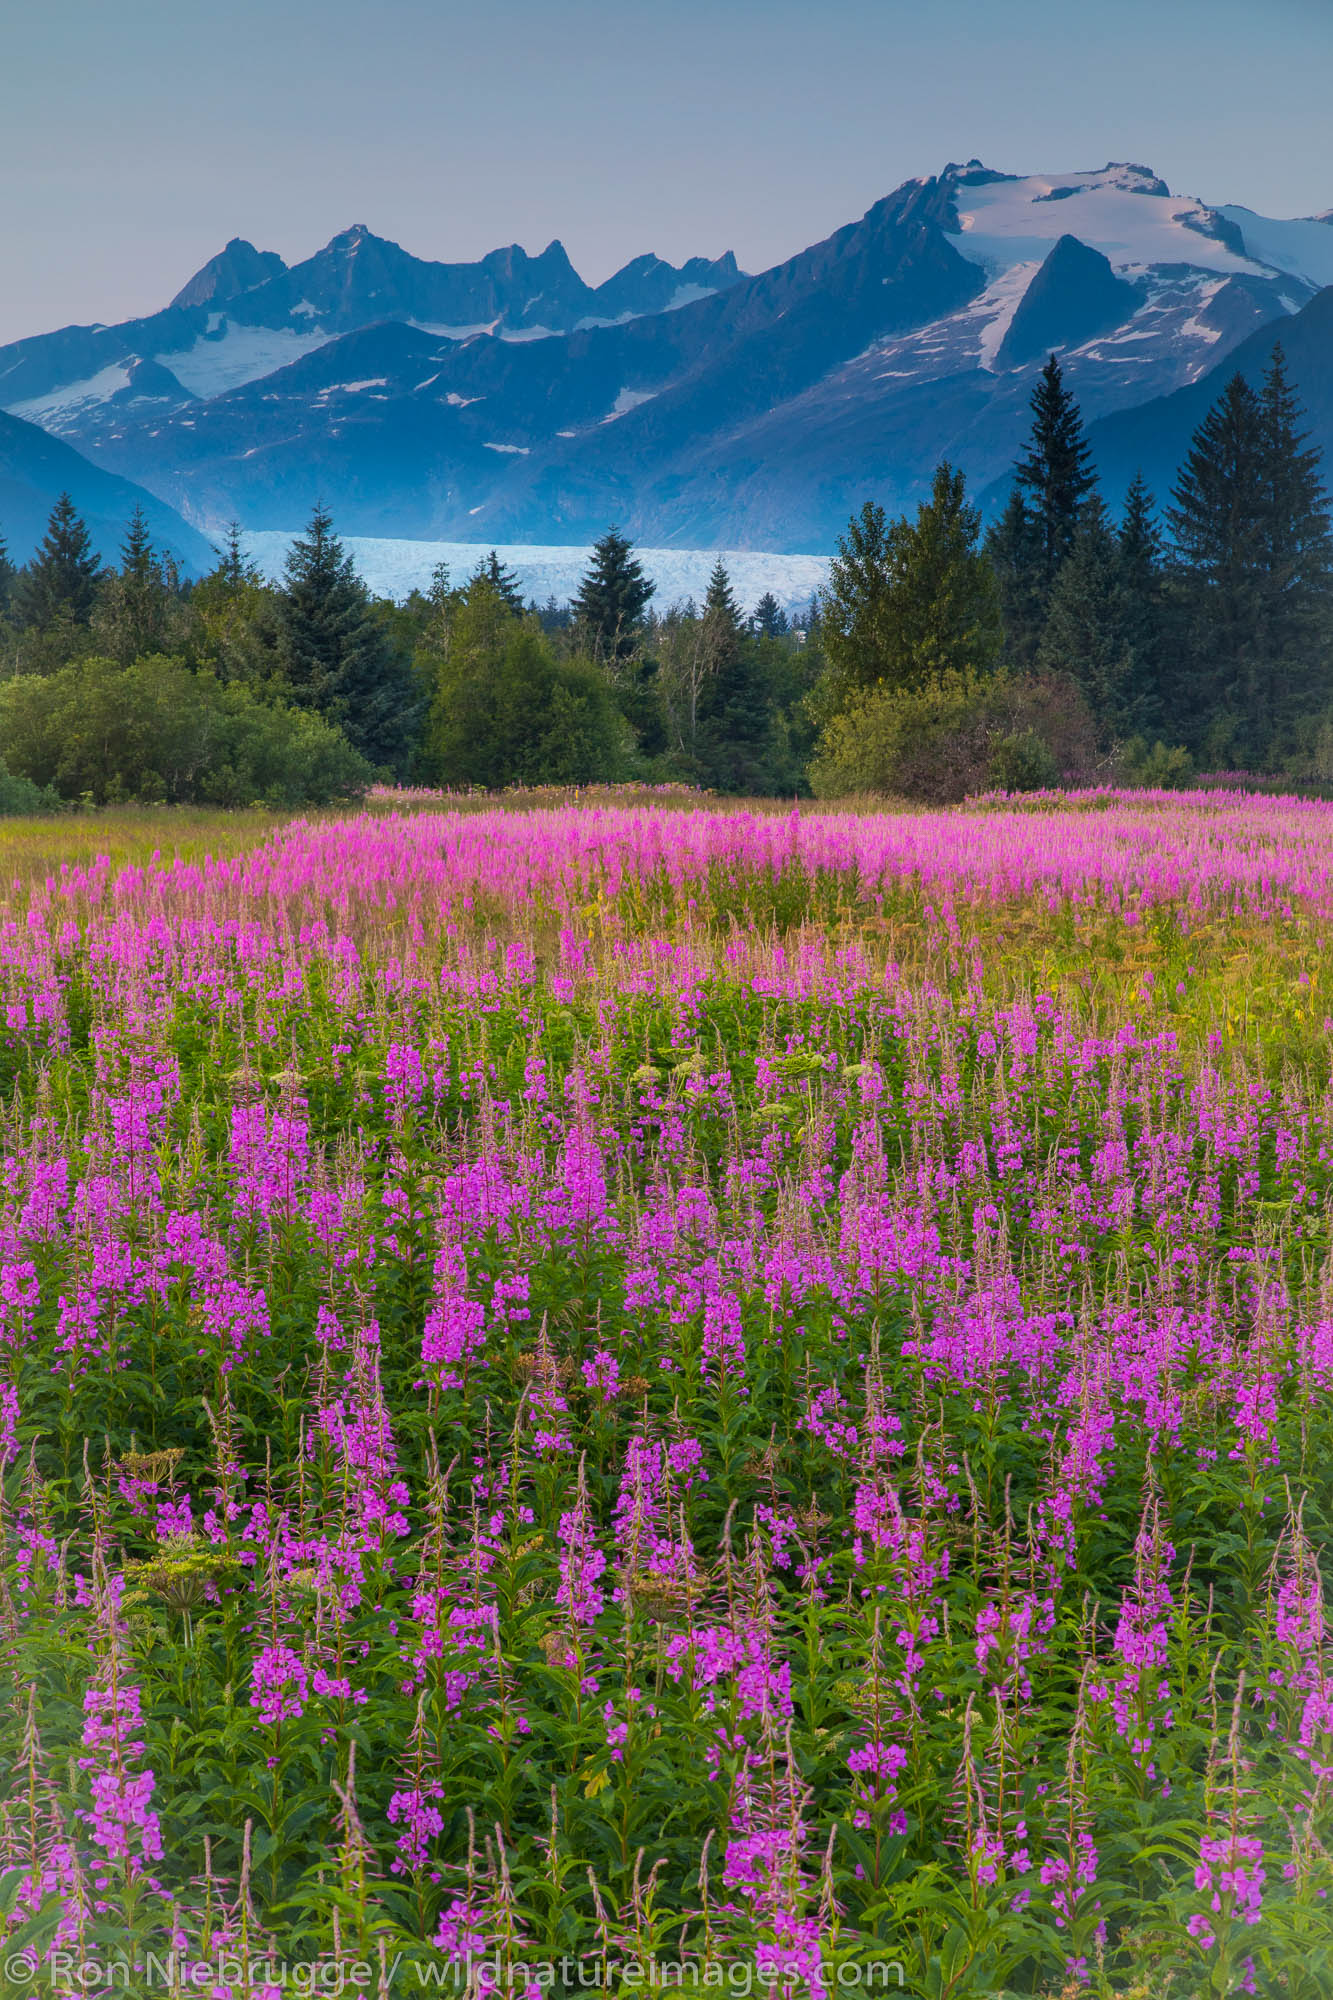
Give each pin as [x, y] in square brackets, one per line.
[695, 404]
[36, 468]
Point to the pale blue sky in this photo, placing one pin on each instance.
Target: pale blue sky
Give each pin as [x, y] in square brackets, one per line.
[135, 139]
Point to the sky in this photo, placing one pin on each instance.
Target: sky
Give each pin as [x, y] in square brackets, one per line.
[136, 139]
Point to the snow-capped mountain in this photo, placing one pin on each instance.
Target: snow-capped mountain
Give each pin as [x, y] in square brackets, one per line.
[507, 401]
[245, 315]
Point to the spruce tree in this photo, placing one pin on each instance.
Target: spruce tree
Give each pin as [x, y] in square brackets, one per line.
[337, 656]
[1141, 603]
[1085, 633]
[7, 576]
[770, 620]
[1014, 548]
[1298, 551]
[1220, 521]
[736, 702]
[1036, 532]
[612, 598]
[60, 583]
[137, 560]
[1056, 476]
[856, 610]
[946, 600]
[133, 617]
[235, 571]
[722, 613]
[503, 580]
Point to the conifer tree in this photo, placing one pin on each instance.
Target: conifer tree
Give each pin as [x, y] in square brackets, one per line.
[137, 560]
[1036, 532]
[235, 569]
[337, 657]
[133, 617]
[1298, 550]
[60, 583]
[501, 579]
[856, 610]
[722, 615]
[1013, 545]
[1085, 633]
[736, 702]
[1220, 523]
[1055, 477]
[7, 576]
[770, 620]
[612, 598]
[1141, 603]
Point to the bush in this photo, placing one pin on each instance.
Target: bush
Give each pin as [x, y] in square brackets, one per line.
[958, 734]
[157, 733]
[1022, 763]
[1158, 767]
[20, 798]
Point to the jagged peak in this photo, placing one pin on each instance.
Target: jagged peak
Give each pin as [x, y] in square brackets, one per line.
[353, 238]
[237, 268]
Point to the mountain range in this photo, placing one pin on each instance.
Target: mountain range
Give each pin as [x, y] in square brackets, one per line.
[697, 406]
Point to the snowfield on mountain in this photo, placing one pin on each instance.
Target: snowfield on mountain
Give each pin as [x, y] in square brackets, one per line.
[507, 401]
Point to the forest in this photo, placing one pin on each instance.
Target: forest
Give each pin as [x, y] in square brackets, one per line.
[1060, 644]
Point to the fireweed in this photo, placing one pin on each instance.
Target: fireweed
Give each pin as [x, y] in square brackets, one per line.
[611, 1383]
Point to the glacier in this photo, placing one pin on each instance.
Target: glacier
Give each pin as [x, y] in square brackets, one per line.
[396, 568]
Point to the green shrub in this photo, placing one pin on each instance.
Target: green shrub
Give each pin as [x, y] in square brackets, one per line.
[1022, 762]
[157, 733]
[1154, 766]
[20, 798]
[957, 734]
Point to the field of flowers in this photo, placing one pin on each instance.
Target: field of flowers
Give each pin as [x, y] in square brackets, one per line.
[624, 1394]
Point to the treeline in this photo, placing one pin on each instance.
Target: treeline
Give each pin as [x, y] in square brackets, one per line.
[1064, 645]
[1067, 644]
[128, 682]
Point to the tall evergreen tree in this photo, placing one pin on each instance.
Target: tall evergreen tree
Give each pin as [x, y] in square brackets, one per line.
[1141, 603]
[1014, 547]
[502, 579]
[1055, 476]
[134, 613]
[722, 614]
[612, 598]
[1220, 521]
[7, 576]
[769, 618]
[137, 558]
[1085, 633]
[1298, 549]
[336, 654]
[1035, 534]
[856, 611]
[235, 570]
[736, 707]
[60, 583]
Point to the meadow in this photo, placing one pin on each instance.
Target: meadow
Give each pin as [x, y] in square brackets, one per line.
[627, 1395]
